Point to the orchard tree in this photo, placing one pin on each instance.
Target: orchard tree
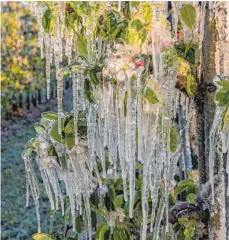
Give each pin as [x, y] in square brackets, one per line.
[144, 152]
[22, 67]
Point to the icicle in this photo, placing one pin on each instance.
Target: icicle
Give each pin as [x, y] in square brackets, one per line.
[88, 213]
[166, 135]
[176, 6]
[47, 187]
[59, 101]
[68, 46]
[155, 65]
[160, 212]
[75, 80]
[139, 124]
[91, 124]
[100, 133]
[111, 129]
[159, 159]
[148, 165]
[27, 190]
[38, 15]
[121, 137]
[212, 146]
[33, 183]
[130, 139]
[119, 6]
[62, 15]
[47, 53]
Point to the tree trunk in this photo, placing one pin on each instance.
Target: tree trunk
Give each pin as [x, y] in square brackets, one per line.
[214, 58]
[27, 101]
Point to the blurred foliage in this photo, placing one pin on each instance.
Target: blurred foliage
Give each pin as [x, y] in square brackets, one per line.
[22, 66]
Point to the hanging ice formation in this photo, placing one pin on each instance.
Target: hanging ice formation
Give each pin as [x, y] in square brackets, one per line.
[123, 124]
[117, 114]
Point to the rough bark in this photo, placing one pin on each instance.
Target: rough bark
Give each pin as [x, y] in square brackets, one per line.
[215, 54]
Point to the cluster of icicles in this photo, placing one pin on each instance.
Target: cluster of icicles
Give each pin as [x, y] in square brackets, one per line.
[111, 127]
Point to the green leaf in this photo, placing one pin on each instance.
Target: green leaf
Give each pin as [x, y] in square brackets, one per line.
[102, 210]
[191, 85]
[42, 236]
[82, 45]
[222, 97]
[136, 25]
[146, 11]
[224, 83]
[116, 235]
[69, 128]
[191, 197]
[47, 21]
[45, 122]
[118, 201]
[88, 91]
[27, 151]
[50, 115]
[70, 141]
[39, 128]
[151, 96]
[54, 131]
[119, 185]
[81, 7]
[136, 32]
[101, 230]
[125, 232]
[79, 224]
[188, 15]
[139, 165]
[29, 143]
[111, 193]
[188, 185]
[134, 4]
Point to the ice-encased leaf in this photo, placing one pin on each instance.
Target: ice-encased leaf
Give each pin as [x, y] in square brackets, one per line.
[151, 96]
[54, 131]
[186, 184]
[118, 200]
[29, 143]
[39, 128]
[42, 236]
[82, 45]
[27, 151]
[47, 21]
[101, 230]
[136, 32]
[222, 96]
[69, 127]
[70, 141]
[79, 224]
[188, 15]
[102, 210]
[191, 197]
[146, 12]
[50, 115]
[223, 83]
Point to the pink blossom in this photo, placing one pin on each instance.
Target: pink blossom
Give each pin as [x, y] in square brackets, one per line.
[179, 35]
[139, 63]
[165, 44]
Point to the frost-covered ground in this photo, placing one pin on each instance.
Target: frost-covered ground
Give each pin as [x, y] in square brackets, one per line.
[19, 222]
